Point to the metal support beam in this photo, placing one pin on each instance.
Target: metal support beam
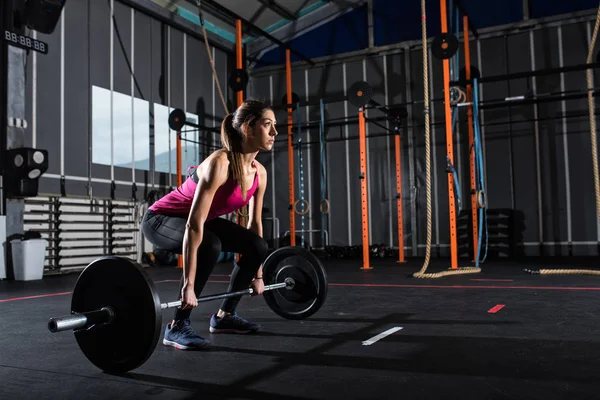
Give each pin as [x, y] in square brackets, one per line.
[164, 15]
[464, 12]
[310, 21]
[278, 9]
[213, 6]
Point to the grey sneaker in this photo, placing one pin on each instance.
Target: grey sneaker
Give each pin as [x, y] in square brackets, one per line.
[182, 336]
[232, 323]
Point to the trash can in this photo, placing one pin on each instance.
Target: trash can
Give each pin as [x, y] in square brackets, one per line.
[28, 258]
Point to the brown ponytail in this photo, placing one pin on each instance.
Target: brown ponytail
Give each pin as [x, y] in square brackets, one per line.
[232, 136]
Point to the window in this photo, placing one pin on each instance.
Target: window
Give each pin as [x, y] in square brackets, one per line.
[130, 140]
[101, 141]
[141, 131]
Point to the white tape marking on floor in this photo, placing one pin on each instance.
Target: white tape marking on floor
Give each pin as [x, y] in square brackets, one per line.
[381, 335]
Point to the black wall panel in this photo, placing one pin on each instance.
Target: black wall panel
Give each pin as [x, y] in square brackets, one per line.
[378, 157]
[332, 84]
[48, 106]
[122, 126]
[551, 148]
[77, 97]
[521, 135]
[395, 86]
[100, 66]
[142, 57]
[176, 67]
[576, 129]
[354, 72]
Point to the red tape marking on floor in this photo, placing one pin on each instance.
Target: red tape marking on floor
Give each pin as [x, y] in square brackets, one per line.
[379, 285]
[34, 297]
[388, 285]
[66, 293]
[495, 309]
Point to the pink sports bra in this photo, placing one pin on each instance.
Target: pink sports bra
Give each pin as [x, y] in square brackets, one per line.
[227, 199]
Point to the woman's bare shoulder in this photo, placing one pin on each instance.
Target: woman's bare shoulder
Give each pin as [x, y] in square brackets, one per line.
[214, 167]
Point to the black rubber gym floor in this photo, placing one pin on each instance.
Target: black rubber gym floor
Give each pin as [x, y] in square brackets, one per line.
[500, 334]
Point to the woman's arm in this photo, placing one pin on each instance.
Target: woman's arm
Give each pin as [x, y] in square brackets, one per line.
[256, 205]
[211, 176]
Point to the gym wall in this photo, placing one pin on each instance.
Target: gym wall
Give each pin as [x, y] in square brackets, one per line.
[538, 172]
[70, 91]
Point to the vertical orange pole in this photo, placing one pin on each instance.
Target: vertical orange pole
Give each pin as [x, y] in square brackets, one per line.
[288, 80]
[399, 200]
[363, 187]
[449, 146]
[179, 182]
[471, 136]
[239, 56]
[240, 96]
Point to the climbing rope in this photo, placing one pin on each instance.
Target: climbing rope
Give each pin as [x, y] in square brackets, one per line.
[591, 108]
[243, 212]
[421, 273]
[210, 58]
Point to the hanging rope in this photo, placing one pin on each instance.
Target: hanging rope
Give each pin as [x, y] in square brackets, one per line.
[243, 212]
[210, 58]
[421, 273]
[591, 107]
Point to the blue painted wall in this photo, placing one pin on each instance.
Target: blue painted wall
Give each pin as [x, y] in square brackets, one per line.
[398, 21]
[349, 32]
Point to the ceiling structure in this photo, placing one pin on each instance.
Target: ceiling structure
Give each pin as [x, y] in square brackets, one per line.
[268, 23]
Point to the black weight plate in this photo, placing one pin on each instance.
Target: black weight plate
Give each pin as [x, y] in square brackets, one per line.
[294, 103]
[130, 339]
[360, 94]
[303, 290]
[444, 46]
[177, 119]
[308, 296]
[238, 79]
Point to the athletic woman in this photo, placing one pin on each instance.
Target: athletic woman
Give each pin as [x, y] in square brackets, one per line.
[187, 221]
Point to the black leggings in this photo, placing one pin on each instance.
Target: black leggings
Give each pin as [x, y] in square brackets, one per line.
[166, 232]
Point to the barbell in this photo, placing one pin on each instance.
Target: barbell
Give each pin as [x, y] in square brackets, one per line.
[116, 313]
